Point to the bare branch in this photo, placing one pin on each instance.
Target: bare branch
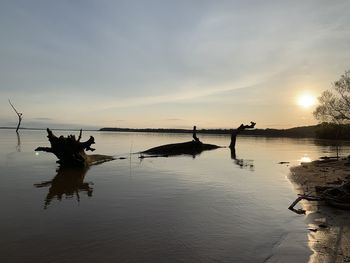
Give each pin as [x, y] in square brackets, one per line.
[80, 134]
[19, 114]
[13, 107]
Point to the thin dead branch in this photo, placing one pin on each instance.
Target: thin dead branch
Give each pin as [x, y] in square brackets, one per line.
[19, 114]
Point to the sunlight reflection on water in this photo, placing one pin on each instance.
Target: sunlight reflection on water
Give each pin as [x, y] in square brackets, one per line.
[305, 159]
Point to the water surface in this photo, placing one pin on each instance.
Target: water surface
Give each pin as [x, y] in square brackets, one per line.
[208, 208]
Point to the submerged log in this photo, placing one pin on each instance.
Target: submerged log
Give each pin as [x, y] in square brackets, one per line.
[187, 148]
[71, 152]
[193, 147]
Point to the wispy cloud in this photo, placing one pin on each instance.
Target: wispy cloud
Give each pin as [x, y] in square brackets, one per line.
[191, 92]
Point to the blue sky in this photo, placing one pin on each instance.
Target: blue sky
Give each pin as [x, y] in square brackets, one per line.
[168, 63]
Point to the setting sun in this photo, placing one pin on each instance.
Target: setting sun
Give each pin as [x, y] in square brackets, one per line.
[306, 101]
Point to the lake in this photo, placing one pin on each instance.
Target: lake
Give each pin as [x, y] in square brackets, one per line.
[213, 207]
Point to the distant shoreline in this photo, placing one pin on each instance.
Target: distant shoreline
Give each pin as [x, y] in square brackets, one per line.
[297, 132]
[44, 129]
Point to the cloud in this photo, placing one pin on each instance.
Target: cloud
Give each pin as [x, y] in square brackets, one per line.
[190, 93]
[118, 58]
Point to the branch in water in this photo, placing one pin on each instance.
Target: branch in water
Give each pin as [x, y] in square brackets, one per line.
[235, 132]
[19, 114]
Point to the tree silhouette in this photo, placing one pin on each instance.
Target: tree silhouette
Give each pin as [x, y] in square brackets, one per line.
[71, 151]
[19, 114]
[235, 132]
[335, 104]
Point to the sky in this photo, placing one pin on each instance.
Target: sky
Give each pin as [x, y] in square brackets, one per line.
[168, 64]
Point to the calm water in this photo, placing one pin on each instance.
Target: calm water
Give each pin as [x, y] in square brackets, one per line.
[210, 208]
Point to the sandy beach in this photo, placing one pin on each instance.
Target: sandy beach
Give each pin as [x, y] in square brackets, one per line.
[329, 228]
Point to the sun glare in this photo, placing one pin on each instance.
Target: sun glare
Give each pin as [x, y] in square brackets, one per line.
[305, 159]
[306, 101]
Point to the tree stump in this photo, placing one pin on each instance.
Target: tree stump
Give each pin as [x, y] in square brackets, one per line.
[71, 152]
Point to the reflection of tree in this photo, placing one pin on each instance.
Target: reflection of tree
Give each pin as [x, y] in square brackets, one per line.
[333, 147]
[242, 163]
[68, 182]
[18, 147]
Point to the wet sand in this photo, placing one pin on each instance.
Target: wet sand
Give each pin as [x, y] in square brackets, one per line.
[329, 228]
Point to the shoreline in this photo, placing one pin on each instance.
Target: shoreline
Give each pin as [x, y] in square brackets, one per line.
[329, 228]
[303, 132]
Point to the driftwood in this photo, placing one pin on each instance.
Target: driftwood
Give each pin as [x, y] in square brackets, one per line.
[19, 114]
[193, 148]
[338, 197]
[71, 152]
[235, 132]
[187, 148]
[303, 197]
[194, 134]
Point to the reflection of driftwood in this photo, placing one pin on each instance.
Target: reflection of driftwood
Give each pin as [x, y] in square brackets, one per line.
[18, 147]
[190, 148]
[68, 182]
[242, 163]
[18, 114]
[151, 156]
[338, 197]
[235, 132]
[71, 152]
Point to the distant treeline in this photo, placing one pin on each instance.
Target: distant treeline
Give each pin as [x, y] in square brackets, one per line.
[333, 131]
[321, 131]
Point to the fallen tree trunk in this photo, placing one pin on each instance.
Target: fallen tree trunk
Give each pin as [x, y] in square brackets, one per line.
[71, 152]
[193, 147]
[190, 148]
